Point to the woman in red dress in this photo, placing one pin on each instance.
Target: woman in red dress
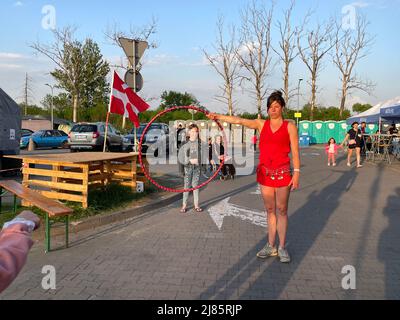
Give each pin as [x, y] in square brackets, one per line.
[278, 138]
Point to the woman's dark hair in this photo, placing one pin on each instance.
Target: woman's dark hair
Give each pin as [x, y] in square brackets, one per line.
[355, 122]
[276, 96]
[192, 126]
[334, 141]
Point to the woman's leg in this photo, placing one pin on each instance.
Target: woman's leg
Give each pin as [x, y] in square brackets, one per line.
[358, 153]
[349, 154]
[195, 183]
[268, 195]
[187, 182]
[282, 201]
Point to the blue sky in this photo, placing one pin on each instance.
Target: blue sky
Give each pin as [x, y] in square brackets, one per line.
[184, 27]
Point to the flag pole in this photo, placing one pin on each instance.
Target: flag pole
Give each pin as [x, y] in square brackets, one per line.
[108, 113]
[106, 132]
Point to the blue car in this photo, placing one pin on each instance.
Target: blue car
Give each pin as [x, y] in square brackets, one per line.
[46, 139]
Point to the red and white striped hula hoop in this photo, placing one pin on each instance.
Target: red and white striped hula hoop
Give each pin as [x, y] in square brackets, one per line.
[145, 171]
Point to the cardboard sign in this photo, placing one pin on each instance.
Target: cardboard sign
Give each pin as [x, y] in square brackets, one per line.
[12, 134]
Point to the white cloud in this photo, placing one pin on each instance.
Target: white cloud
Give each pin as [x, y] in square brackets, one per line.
[361, 4]
[18, 4]
[10, 55]
[160, 59]
[10, 66]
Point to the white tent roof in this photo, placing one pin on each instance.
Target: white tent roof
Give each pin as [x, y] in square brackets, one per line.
[373, 114]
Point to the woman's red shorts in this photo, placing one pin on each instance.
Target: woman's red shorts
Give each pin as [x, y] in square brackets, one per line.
[273, 178]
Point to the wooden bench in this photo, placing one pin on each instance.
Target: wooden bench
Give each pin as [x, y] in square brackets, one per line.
[52, 208]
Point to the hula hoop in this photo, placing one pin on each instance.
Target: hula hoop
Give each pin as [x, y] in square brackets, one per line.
[145, 171]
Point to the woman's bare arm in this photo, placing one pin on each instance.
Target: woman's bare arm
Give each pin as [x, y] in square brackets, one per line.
[345, 139]
[294, 143]
[256, 124]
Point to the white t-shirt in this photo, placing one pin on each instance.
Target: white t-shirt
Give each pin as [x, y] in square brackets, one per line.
[332, 148]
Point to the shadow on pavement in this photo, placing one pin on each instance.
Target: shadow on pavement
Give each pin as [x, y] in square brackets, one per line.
[389, 247]
[309, 220]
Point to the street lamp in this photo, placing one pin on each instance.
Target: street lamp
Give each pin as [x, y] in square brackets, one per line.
[52, 105]
[298, 100]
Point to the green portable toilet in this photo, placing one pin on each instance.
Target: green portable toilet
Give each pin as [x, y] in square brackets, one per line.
[318, 132]
[331, 130]
[305, 128]
[342, 129]
[371, 128]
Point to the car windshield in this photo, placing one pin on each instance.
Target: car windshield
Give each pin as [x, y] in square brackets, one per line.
[38, 133]
[142, 127]
[82, 128]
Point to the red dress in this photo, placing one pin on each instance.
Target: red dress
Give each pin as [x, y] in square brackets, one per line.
[274, 168]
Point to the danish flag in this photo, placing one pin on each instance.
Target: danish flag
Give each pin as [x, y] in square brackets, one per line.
[125, 101]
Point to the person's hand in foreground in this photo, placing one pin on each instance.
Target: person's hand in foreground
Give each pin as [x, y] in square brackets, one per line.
[15, 243]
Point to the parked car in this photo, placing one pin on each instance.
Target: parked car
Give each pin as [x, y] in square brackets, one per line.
[156, 132]
[46, 139]
[90, 136]
[26, 132]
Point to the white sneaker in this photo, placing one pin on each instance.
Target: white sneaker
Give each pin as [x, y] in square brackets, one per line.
[348, 164]
[284, 256]
[334, 164]
[329, 164]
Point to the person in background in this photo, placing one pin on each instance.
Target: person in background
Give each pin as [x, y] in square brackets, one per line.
[191, 155]
[393, 130]
[15, 243]
[363, 132]
[180, 140]
[332, 150]
[216, 155]
[254, 140]
[354, 136]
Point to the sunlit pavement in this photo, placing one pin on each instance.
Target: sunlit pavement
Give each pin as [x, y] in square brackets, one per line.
[342, 219]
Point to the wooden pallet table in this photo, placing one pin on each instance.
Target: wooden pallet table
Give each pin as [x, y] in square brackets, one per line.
[70, 176]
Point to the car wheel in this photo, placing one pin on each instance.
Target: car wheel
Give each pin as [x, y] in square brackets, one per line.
[64, 145]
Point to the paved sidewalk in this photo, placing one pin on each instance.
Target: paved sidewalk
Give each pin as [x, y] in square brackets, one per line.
[339, 217]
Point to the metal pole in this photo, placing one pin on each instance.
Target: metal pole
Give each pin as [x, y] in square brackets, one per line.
[135, 43]
[298, 100]
[52, 105]
[52, 108]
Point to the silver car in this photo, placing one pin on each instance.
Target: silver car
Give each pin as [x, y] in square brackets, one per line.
[157, 133]
[90, 136]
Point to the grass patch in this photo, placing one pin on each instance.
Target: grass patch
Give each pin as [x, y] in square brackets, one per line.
[109, 199]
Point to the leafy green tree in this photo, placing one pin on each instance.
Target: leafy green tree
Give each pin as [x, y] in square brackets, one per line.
[80, 68]
[34, 110]
[358, 107]
[171, 99]
[95, 88]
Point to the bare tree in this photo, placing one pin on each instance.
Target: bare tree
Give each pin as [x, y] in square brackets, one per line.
[287, 51]
[351, 47]
[319, 42]
[27, 94]
[65, 54]
[113, 33]
[254, 55]
[225, 63]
